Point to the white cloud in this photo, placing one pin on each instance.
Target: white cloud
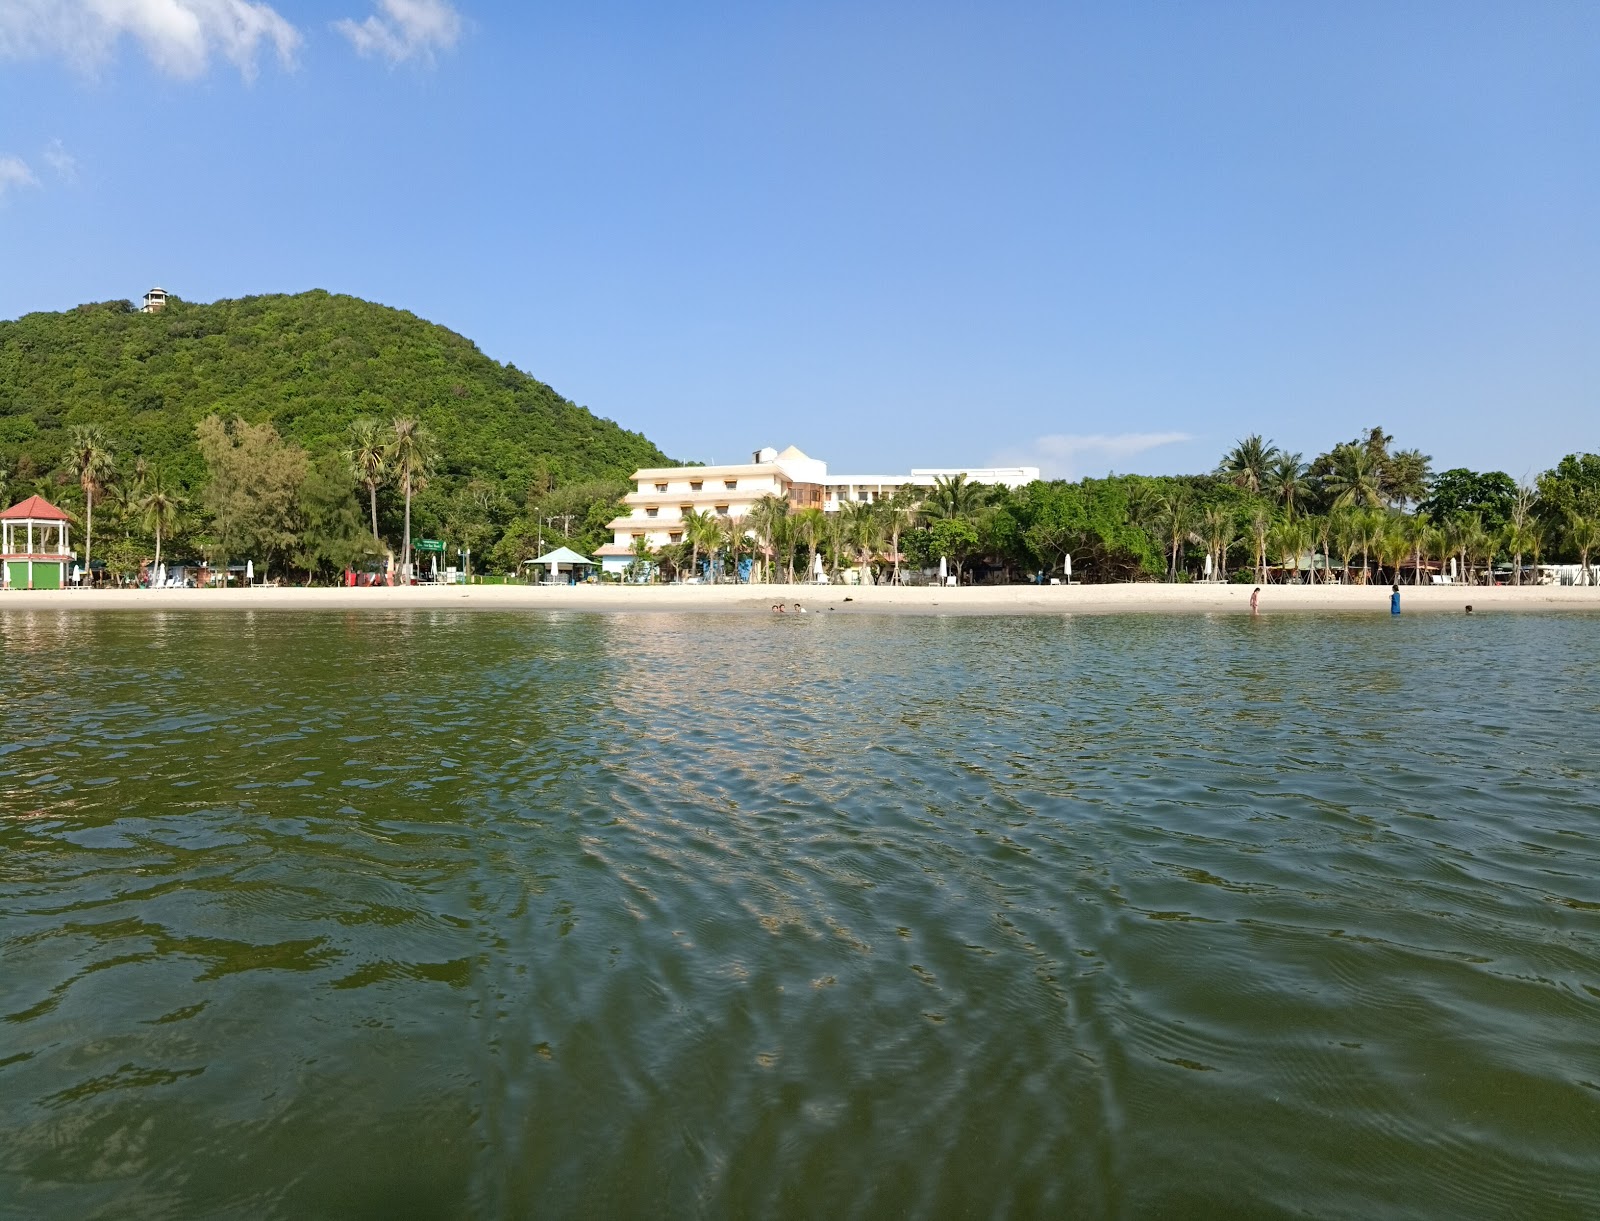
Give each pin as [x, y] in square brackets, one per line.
[178, 36]
[14, 172]
[1065, 455]
[61, 161]
[406, 29]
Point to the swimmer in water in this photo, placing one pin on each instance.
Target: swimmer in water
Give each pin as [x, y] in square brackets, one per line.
[1255, 600]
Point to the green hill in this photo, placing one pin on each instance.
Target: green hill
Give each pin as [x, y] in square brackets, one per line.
[310, 364]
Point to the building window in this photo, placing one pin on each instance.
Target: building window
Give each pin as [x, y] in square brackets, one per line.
[651, 512]
[722, 509]
[661, 487]
[730, 484]
[696, 484]
[677, 538]
[685, 510]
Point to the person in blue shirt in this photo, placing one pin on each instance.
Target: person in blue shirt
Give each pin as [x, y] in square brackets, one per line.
[1394, 600]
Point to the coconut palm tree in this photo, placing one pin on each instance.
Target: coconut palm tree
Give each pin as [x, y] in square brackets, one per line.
[952, 497]
[1249, 463]
[410, 454]
[810, 526]
[1342, 536]
[700, 529]
[732, 540]
[1415, 528]
[90, 457]
[1405, 476]
[1354, 479]
[1260, 524]
[1583, 536]
[1286, 479]
[1174, 519]
[368, 458]
[1393, 544]
[863, 529]
[1218, 529]
[159, 509]
[764, 518]
[901, 510]
[1368, 529]
[1472, 540]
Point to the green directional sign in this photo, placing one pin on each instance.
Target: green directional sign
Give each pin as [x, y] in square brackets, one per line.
[430, 544]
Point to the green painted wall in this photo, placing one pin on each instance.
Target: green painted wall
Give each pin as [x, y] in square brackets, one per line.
[45, 575]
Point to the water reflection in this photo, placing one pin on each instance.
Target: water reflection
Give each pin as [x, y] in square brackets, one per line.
[629, 914]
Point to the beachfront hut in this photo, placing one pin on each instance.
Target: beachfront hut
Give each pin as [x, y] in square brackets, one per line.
[563, 558]
[33, 545]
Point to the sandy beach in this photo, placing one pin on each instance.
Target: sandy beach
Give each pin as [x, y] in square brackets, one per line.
[879, 600]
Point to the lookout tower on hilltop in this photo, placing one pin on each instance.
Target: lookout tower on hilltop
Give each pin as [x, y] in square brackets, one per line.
[153, 301]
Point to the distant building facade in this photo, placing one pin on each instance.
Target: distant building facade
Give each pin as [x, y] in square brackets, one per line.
[664, 496]
[154, 300]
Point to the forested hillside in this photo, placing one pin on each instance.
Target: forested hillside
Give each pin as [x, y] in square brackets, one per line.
[309, 364]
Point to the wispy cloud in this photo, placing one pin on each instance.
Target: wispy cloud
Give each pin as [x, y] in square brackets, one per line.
[178, 36]
[404, 29]
[61, 161]
[14, 172]
[1066, 455]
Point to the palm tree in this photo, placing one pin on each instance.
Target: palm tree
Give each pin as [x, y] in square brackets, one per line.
[767, 518]
[1260, 523]
[902, 509]
[1218, 529]
[1405, 476]
[1472, 540]
[1368, 529]
[1353, 481]
[809, 526]
[410, 454]
[699, 530]
[1248, 464]
[1393, 544]
[863, 530]
[732, 540]
[952, 497]
[1286, 479]
[369, 463]
[1174, 518]
[1583, 535]
[159, 508]
[1415, 529]
[1342, 536]
[1320, 528]
[90, 458]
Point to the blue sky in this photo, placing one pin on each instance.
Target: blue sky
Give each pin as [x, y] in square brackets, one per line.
[1092, 236]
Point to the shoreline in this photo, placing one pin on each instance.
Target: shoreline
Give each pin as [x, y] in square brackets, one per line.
[1012, 600]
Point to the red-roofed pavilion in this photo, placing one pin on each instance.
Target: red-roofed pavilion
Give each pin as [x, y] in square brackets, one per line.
[33, 545]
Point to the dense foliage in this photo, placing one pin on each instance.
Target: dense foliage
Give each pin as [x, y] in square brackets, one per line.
[1361, 511]
[309, 366]
[315, 433]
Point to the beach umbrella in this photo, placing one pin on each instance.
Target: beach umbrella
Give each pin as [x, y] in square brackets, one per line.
[77, 574]
[1208, 566]
[944, 570]
[817, 567]
[249, 572]
[1068, 566]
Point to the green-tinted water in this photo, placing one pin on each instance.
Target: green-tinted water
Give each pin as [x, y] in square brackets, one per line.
[513, 915]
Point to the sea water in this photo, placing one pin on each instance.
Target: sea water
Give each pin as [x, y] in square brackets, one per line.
[496, 915]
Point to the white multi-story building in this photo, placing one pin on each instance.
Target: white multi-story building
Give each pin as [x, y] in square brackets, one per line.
[664, 496]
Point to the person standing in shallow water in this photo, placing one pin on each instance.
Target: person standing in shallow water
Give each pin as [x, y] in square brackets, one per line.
[1255, 600]
[1394, 599]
